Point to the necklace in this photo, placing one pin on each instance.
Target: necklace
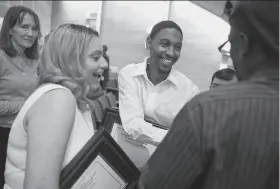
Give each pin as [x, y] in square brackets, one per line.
[21, 62]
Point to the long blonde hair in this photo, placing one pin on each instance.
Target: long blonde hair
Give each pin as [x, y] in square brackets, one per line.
[63, 58]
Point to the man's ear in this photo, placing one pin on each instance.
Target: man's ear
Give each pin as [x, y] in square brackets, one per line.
[244, 44]
[148, 43]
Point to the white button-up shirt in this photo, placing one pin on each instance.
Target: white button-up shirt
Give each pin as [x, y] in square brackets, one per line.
[139, 99]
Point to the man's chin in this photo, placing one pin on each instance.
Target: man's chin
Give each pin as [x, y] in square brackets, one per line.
[165, 69]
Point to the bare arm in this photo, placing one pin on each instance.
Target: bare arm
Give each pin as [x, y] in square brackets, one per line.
[49, 124]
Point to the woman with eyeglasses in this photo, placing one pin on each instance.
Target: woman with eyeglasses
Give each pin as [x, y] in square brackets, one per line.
[18, 69]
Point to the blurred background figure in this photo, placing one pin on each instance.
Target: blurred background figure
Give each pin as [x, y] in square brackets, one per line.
[223, 77]
[19, 52]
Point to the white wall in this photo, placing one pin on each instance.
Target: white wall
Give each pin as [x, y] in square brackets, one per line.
[124, 25]
[203, 32]
[73, 11]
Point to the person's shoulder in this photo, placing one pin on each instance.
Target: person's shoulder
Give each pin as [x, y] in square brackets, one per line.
[61, 95]
[61, 98]
[56, 93]
[4, 61]
[3, 55]
[183, 79]
[130, 68]
[234, 91]
[2, 52]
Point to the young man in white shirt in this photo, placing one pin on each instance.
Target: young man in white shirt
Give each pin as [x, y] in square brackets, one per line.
[153, 90]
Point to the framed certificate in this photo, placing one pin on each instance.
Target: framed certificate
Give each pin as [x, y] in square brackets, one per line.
[111, 117]
[138, 152]
[101, 164]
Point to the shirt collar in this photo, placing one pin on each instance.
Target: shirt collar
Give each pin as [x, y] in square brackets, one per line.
[141, 70]
[266, 74]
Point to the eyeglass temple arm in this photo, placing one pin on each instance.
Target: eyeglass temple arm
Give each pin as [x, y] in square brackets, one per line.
[220, 47]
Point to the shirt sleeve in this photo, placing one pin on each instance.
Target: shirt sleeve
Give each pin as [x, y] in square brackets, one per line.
[132, 113]
[10, 107]
[177, 162]
[1, 65]
[195, 90]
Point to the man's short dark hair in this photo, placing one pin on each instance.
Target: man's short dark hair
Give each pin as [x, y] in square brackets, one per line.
[259, 20]
[226, 74]
[162, 25]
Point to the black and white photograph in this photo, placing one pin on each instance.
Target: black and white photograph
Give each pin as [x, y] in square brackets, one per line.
[139, 94]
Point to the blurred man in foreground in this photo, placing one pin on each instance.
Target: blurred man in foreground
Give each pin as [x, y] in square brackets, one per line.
[227, 138]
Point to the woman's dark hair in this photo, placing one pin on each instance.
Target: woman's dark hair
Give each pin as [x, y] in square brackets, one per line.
[162, 25]
[226, 74]
[106, 72]
[15, 15]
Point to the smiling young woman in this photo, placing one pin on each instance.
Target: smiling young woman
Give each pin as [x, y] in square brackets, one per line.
[56, 118]
[18, 64]
[153, 90]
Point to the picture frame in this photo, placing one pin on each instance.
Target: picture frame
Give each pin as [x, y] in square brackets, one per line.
[135, 150]
[159, 126]
[101, 164]
[111, 116]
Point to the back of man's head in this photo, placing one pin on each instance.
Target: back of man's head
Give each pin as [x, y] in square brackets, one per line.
[254, 36]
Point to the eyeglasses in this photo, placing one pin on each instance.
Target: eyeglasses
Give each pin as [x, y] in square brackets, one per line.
[225, 48]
